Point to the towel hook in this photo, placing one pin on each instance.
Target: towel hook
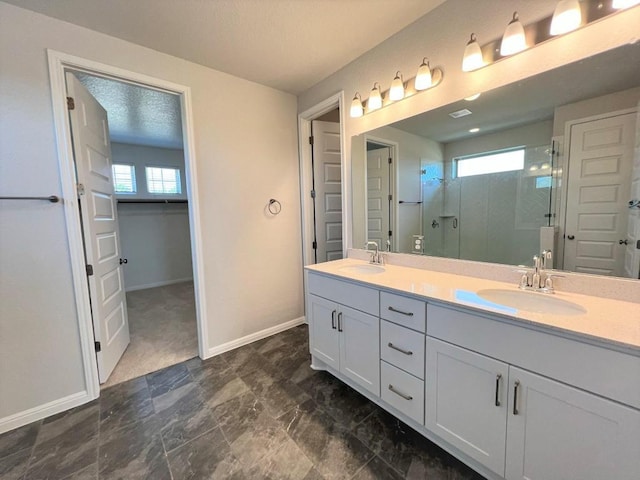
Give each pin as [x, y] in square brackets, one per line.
[275, 207]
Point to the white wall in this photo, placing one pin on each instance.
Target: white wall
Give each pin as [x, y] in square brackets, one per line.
[246, 152]
[154, 238]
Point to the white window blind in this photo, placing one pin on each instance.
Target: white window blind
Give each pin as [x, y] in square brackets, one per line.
[163, 180]
[124, 178]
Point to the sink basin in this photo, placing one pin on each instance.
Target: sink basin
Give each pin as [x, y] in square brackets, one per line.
[362, 269]
[531, 301]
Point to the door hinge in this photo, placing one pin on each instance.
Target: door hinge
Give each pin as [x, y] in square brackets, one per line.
[313, 194]
[314, 245]
[638, 244]
[71, 104]
[390, 197]
[390, 161]
[390, 233]
[80, 188]
[89, 270]
[98, 346]
[311, 140]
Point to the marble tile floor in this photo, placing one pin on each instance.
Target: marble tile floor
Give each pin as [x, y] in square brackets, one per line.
[257, 412]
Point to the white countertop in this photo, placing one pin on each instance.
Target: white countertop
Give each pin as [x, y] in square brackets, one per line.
[606, 321]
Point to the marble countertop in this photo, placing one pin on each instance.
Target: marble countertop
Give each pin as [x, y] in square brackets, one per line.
[606, 321]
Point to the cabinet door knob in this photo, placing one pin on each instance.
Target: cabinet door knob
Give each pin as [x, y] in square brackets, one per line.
[571, 237]
[339, 321]
[498, 378]
[333, 319]
[123, 260]
[516, 385]
[623, 242]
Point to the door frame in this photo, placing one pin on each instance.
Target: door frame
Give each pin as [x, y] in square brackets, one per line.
[304, 154]
[394, 183]
[565, 150]
[58, 63]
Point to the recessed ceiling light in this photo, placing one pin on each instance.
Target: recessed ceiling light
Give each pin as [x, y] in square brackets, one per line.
[471, 98]
[474, 130]
[533, 168]
[460, 113]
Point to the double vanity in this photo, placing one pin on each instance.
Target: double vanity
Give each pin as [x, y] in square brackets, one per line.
[518, 385]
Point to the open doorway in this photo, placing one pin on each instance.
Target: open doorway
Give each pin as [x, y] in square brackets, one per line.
[323, 177]
[134, 213]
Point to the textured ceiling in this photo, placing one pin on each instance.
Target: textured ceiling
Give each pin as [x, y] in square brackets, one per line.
[137, 115]
[533, 99]
[287, 44]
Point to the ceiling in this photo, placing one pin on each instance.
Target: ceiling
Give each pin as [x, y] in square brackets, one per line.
[533, 99]
[286, 44]
[137, 115]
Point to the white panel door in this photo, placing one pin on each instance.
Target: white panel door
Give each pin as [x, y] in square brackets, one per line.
[466, 402]
[632, 250]
[561, 432]
[328, 185]
[92, 150]
[323, 329]
[360, 347]
[600, 160]
[378, 191]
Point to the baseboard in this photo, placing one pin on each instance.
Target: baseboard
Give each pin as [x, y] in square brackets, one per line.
[157, 284]
[267, 332]
[42, 411]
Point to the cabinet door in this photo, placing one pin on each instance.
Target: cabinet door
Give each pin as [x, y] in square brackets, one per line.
[466, 401]
[323, 330]
[558, 431]
[360, 348]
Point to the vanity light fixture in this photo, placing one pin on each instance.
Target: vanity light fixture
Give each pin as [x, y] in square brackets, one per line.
[619, 4]
[472, 59]
[513, 40]
[396, 92]
[566, 17]
[423, 77]
[356, 106]
[375, 98]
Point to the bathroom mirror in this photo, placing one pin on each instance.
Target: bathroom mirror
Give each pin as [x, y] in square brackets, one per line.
[543, 163]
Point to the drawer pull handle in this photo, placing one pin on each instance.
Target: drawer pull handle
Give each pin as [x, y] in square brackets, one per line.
[401, 350]
[333, 319]
[408, 314]
[515, 397]
[339, 321]
[498, 378]
[403, 395]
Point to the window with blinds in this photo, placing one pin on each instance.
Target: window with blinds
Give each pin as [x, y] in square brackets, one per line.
[163, 180]
[124, 178]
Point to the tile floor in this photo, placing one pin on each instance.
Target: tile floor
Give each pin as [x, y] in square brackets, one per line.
[258, 412]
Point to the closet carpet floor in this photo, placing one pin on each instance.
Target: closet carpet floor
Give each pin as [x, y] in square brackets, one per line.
[257, 412]
[162, 325]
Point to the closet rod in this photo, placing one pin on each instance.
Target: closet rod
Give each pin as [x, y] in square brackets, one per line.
[152, 201]
[51, 198]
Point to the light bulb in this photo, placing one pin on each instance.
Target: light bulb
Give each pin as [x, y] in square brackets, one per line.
[566, 17]
[423, 77]
[375, 98]
[472, 59]
[618, 4]
[396, 92]
[356, 106]
[513, 40]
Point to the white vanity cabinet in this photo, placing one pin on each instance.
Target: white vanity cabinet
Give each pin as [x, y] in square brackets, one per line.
[519, 424]
[345, 338]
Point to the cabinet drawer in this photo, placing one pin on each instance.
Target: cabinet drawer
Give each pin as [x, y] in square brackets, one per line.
[402, 391]
[356, 296]
[405, 311]
[402, 348]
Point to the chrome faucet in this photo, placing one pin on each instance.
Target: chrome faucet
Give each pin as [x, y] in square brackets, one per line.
[376, 256]
[539, 280]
